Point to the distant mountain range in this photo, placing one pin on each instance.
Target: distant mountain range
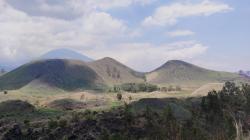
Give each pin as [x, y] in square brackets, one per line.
[65, 54]
[244, 73]
[68, 74]
[53, 54]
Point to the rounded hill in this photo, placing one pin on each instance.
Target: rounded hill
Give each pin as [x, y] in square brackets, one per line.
[59, 73]
[180, 72]
[114, 72]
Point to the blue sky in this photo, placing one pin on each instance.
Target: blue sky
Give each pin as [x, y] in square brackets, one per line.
[143, 34]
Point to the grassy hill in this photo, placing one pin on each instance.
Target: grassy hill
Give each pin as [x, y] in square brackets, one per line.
[113, 72]
[59, 73]
[69, 75]
[182, 73]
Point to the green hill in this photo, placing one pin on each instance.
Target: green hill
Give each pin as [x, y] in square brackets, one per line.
[113, 72]
[182, 73]
[73, 75]
[59, 73]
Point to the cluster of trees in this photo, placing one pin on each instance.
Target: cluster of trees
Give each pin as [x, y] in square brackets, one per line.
[119, 124]
[232, 103]
[231, 98]
[220, 115]
[171, 88]
[134, 87]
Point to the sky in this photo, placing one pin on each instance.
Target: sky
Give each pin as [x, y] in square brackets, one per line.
[142, 34]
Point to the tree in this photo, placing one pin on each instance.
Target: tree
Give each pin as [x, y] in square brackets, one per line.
[229, 102]
[246, 93]
[164, 89]
[178, 88]
[130, 98]
[5, 92]
[170, 88]
[119, 96]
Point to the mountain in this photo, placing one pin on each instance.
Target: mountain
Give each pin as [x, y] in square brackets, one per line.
[70, 75]
[2, 71]
[113, 72]
[65, 54]
[182, 73]
[8, 67]
[244, 73]
[59, 73]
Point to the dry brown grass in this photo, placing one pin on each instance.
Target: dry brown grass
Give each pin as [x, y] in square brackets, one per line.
[106, 99]
[203, 90]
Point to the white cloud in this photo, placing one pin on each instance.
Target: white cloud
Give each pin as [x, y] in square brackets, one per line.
[96, 34]
[34, 35]
[86, 6]
[44, 6]
[170, 14]
[178, 33]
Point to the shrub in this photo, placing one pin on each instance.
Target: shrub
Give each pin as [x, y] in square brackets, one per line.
[62, 123]
[138, 87]
[164, 89]
[130, 98]
[26, 123]
[170, 88]
[76, 117]
[89, 115]
[5, 92]
[119, 96]
[115, 89]
[52, 124]
[178, 88]
[151, 88]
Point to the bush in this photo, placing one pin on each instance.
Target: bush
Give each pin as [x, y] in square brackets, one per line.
[170, 88]
[138, 87]
[62, 123]
[5, 92]
[164, 89]
[119, 96]
[178, 88]
[115, 89]
[89, 115]
[76, 117]
[52, 124]
[26, 123]
[130, 98]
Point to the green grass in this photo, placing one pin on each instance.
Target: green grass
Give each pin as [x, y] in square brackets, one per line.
[38, 115]
[180, 107]
[115, 104]
[182, 73]
[64, 74]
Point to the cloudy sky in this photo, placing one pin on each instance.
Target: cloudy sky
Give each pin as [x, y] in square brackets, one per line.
[140, 33]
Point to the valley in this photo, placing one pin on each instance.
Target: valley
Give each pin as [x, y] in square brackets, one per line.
[124, 70]
[44, 97]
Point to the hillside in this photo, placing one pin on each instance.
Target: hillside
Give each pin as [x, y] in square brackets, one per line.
[71, 75]
[63, 74]
[205, 89]
[65, 54]
[182, 73]
[113, 72]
